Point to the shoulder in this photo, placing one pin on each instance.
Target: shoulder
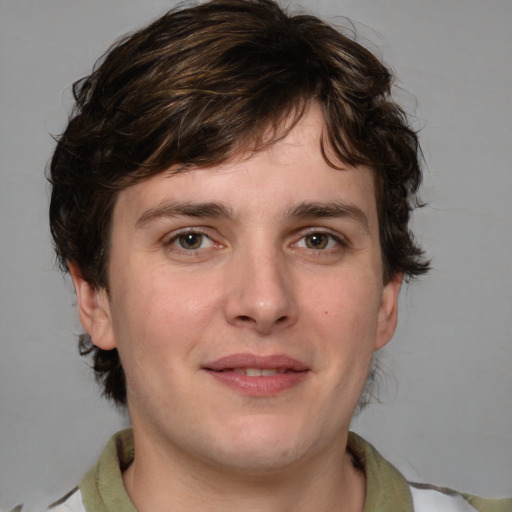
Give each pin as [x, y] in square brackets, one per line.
[427, 498]
[72, 502]
[388, 491]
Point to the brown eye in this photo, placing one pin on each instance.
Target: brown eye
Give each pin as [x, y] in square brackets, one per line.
[317, 241]
[190, 241]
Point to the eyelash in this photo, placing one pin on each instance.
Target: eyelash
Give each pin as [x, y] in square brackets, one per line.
[339, 241]
[336, 238]
[170, 241]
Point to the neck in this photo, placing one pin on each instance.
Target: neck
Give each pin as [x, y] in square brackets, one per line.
[329, 481]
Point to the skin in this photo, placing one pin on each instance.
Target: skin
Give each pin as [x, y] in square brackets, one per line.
[260, 274]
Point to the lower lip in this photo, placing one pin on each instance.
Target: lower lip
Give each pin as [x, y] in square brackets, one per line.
[259, 386]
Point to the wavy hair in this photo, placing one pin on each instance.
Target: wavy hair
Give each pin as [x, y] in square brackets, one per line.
[201, 83]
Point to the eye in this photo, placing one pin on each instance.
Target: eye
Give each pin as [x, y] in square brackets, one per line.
[190, 241]
[319, 240]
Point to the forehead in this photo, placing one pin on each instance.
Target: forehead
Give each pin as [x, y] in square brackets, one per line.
[274, 180]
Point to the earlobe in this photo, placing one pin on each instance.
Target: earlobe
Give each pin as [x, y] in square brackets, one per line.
[388, 312]
[93, 309]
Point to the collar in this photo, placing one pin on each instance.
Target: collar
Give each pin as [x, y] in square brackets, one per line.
[103, 490]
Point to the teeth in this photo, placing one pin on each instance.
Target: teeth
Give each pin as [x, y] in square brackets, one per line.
[257, 372]
[253, 372]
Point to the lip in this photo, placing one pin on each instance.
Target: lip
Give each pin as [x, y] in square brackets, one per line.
[273, 361]
[291, 373]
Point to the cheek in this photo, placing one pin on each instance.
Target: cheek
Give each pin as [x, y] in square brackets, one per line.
[162, 308]
[344, 318]
[349, 303]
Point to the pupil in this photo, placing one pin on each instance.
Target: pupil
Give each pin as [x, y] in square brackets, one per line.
[191, 240]
[317, 241]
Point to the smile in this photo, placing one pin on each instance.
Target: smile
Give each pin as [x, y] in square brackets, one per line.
[256, 375]
[259, 372]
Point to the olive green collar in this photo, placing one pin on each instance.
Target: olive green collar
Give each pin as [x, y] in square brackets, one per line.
[103, 490]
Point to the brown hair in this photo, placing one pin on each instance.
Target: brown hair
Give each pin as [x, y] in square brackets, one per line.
[199, 84]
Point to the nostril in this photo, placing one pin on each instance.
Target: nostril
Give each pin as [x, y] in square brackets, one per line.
[245, 318]
[281, 319]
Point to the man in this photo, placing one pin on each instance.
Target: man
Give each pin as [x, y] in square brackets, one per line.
[232, 198]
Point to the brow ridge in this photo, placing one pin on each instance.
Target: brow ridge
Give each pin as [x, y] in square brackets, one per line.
[304, 210]
[331, 209]
[184, 209]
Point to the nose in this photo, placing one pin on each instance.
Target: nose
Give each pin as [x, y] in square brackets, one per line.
[261, 295]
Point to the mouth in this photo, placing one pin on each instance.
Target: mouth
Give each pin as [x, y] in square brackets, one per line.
[260, 372]
[255, 375]
[277, 363]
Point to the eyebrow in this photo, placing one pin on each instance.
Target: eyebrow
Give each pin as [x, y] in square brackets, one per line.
[335, 209]
[184, 209]
[305, 210]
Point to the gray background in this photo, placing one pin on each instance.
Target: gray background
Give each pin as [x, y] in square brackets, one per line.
[446, 411]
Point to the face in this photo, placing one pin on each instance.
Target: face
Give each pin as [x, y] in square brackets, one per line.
[246, 301]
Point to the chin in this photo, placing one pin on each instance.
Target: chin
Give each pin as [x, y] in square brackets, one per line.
[259, 460]
[260, 446]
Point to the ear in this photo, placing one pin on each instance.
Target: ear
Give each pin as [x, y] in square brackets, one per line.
[94, 310]
[388, 311]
